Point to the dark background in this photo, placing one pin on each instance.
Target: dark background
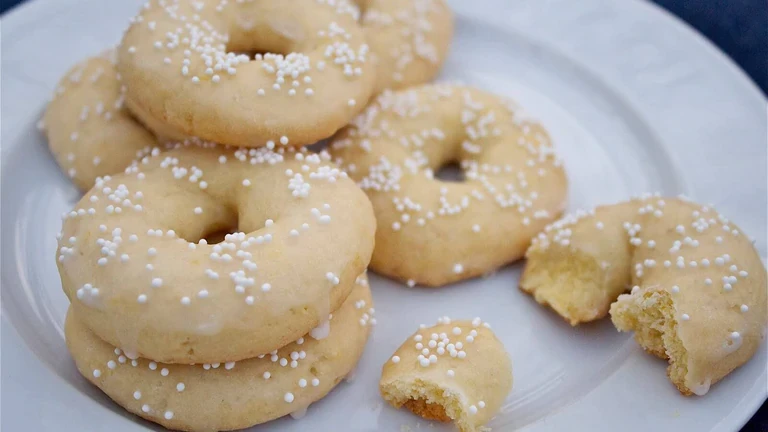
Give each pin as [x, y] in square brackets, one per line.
[738, 27]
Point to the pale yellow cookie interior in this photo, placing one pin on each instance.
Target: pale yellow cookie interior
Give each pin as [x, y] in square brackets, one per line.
[580, 264]
[651, 314]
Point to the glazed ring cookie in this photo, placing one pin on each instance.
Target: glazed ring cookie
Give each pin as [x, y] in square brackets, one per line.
[409, 39]
[434, 232]
[135, 264]
[452, 371]
[699, 296]
[227, 396]
[90, 132]
[180, 63]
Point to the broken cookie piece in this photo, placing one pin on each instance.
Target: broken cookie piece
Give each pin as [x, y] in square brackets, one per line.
[453, 371]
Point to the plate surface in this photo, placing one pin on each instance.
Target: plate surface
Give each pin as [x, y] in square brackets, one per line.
[635, 102]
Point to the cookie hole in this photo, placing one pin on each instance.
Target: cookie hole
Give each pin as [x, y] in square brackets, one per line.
[313, 370]
[450, 172]
[214, 231]
[260, 35]
[219, 235]
[211, 219]
[253, 53]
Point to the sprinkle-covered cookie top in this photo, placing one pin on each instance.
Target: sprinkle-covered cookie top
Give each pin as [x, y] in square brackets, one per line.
[136, 244]
[188, 63]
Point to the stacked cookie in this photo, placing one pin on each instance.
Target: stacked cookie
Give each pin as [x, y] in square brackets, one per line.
[165, 314]
[218, 281]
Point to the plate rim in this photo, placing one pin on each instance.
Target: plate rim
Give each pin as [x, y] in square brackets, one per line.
[751, 400]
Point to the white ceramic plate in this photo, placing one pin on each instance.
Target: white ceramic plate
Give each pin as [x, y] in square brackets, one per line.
[635, 102]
